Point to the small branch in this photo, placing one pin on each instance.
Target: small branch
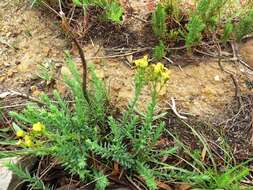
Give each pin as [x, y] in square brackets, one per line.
[174, 109]
[69, 33]
[12, 92]
[119, 55]
[237, 88]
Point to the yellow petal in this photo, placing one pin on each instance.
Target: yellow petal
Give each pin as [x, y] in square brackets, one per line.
[143, 62]
[28, 141]
[38, 127]
[20, 133]
[166, 75]
[158, 68]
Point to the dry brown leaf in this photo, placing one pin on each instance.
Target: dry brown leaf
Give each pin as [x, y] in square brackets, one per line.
[184, 187]
[203, 154]
[163, 185]
[151, 4]
[116, 170]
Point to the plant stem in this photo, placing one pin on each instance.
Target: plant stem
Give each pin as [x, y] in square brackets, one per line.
[66, 28]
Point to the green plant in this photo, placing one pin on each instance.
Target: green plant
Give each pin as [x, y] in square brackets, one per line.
[46, 71]
[74, 134]
[199, 174]
[228, 31]
[245, 25]
[78, 134]
[159, 22]
[101, 180]
[113, 10]
[159, 51]
[34, 182]
[210, 11]
[195, 28]
[68, 129]
[172, 7]
[206, 16]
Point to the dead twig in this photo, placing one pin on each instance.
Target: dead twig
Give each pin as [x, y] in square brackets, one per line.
[237, 88]
[119, 55]
[174, 109]
[67, 29]
[15, 93]
[169, 60]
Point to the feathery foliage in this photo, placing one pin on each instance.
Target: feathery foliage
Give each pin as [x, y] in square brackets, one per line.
[195, 28]
[159, 51]
[245, 25]
[70, 133]
[34, 182]
[158, 22]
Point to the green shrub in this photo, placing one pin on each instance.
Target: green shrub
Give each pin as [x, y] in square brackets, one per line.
[206, 16]
[159, 22]
[73, 134]
[195, 28]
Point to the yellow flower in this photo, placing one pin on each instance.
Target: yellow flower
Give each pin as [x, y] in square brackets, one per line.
[158, 68]
[165, 75]
[19, 142]
[38, 127]
[143, 62]
[20, 133]
[28, 141]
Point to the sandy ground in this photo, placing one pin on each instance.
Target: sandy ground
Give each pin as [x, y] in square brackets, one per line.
[28, 39]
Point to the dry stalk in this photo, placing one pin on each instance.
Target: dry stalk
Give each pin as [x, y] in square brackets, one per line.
[67, 29]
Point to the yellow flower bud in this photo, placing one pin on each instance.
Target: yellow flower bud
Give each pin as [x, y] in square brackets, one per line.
[142, 63]
[165, 75]
[28, 141]
[158, 68]
[20, 133]
[38, 127]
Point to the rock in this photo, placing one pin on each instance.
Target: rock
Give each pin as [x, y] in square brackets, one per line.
[217, 78]
[8, 180]
[246, 52]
